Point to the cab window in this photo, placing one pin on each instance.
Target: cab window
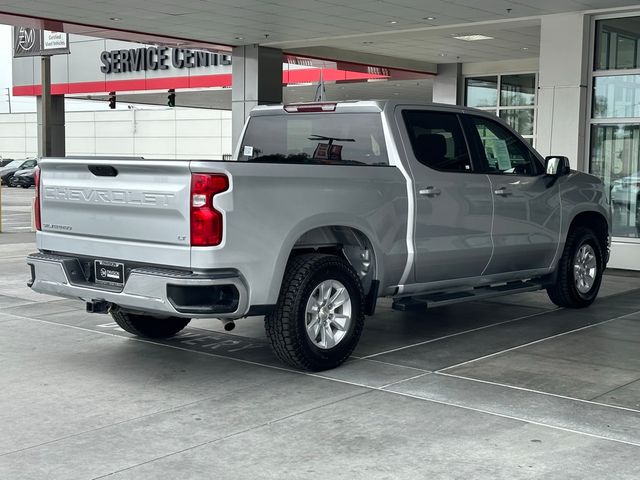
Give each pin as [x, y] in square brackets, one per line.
[501, 151]
[437, 140]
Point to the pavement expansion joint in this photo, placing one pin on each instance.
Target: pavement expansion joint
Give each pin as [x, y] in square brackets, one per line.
[586, 327]
[540, 392]
[457, 334]
[387, 388]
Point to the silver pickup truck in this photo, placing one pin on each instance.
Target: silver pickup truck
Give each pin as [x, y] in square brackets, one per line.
[324, 209]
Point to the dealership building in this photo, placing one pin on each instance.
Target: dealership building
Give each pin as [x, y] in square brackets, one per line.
[564, 74]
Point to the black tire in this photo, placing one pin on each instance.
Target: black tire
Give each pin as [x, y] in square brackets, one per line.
[564, 292]
[148, 326]
[286, 325]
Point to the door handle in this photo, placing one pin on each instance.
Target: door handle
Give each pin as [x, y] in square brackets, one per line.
[429, 192]
[503, 192]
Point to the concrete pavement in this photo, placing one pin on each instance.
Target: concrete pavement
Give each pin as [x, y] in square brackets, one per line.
[506, 389]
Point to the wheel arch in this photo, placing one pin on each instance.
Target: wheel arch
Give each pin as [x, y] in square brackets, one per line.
[343, 239]
[595, 221]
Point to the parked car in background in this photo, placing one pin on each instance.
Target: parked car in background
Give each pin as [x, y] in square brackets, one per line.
[10, 169]
[625, 193]
[5, 161]
[23, 178]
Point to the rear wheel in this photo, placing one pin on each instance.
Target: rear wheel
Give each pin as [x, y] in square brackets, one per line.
[147, 325]
[579, 270]
[320, 313]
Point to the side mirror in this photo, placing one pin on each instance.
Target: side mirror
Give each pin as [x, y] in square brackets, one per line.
[556, 166]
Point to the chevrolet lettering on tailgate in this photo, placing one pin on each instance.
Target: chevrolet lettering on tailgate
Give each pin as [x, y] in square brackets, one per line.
[126, 197]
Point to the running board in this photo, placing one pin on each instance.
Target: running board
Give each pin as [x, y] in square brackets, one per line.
[449, 298]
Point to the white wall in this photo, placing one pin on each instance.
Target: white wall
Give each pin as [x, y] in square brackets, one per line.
[501, 66]
[176, 133]
[18, 135]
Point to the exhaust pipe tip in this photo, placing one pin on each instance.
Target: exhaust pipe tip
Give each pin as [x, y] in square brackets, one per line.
[230, 325]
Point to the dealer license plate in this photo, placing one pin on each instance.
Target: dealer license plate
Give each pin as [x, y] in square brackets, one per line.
[109, 273]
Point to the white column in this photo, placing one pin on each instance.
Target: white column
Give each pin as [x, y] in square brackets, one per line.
[447, 84]
[562, 81]
[257, 80]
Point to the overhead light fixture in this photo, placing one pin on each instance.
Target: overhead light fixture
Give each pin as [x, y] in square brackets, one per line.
[442, 54]
[525, 48]
[429, 18]
[239, 38]
[473, 38]
[392, 22]
[115, 19]
[367, 43]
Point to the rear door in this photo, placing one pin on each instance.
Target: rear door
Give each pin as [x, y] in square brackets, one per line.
[117, 209]
[452, 201]
[526, 228]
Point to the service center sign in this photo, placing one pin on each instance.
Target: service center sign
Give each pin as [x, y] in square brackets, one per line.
[158, 58]
[31, 42]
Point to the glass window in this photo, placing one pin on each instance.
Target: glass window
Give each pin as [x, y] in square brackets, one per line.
[626, 52]
[616, 96]
[521, 120]
[504, 152]
[615, 158]
[482, 92]
[329, 138]
[510, 97]
[617, 43]
[518, 90]
[437, 140]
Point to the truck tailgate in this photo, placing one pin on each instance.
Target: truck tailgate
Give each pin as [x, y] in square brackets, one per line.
[128, 209]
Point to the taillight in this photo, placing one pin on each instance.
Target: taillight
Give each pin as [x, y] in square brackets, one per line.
[206, 221]
[36, 206]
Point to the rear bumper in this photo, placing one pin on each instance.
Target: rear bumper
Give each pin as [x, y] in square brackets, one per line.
[217, 293]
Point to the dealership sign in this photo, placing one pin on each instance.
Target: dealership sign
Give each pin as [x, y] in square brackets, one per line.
[158, 58]
[31, 42]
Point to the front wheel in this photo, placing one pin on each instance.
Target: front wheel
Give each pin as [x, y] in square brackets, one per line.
[319, 316]
[148, 326]
[579, 270]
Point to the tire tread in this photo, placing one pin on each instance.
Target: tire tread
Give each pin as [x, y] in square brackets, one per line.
[148, 326]
[286, 340]
[562, 292]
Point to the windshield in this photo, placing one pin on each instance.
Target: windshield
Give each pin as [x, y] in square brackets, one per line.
[325, 138]
[14, 164]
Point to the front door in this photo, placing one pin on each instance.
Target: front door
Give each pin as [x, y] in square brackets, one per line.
[452, 201]
[526, 228]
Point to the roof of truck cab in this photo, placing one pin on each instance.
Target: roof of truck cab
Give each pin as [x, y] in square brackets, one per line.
[357, 106]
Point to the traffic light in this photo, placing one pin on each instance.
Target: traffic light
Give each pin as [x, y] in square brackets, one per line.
[171, 98]
[112, 100]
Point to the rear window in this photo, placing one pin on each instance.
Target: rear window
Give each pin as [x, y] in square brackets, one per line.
[333, 139]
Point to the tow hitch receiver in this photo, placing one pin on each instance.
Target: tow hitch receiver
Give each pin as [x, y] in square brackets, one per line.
[98, 306]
